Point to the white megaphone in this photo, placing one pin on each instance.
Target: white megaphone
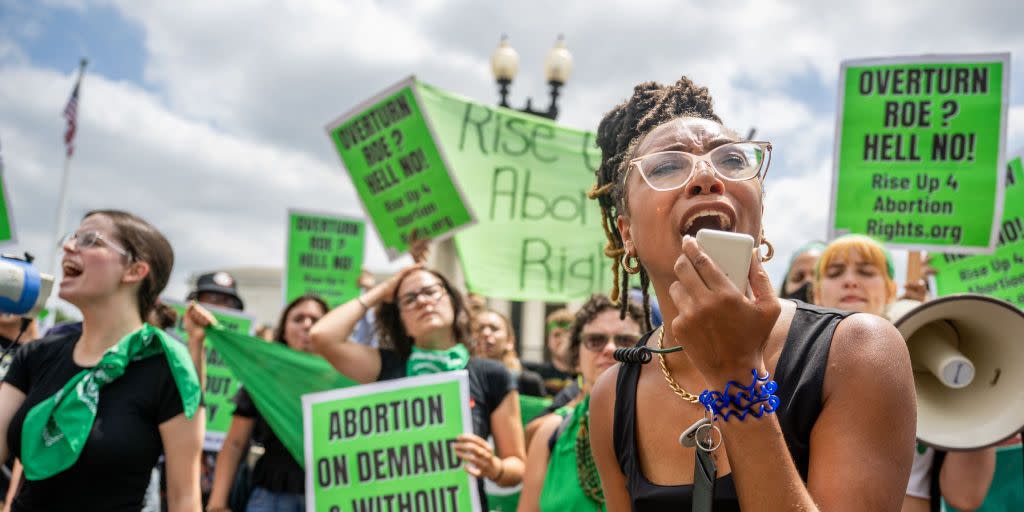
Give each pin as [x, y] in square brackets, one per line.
[23, 289]
[967, 351]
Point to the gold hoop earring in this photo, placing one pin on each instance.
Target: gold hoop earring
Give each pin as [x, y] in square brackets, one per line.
[635, 269]
[770, 250]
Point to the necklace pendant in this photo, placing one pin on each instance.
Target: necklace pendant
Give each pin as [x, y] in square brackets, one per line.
[689, 436]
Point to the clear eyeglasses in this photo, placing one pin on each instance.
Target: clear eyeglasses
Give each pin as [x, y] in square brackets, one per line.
[432, 293]
[88, 239]
[736, 161]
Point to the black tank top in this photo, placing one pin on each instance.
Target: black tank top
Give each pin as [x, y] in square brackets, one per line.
[800, 373]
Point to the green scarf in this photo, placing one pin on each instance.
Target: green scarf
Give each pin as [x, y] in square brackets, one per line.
[56, 429]
[426, 362]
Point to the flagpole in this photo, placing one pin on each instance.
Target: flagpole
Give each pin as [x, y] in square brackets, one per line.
[62, 205]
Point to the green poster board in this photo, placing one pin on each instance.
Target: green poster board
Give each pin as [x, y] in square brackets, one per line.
[1000, 274]
[325, 256]
[538, 235]
[221, 384]
[7, 233]
[389, 446]
[401, 175]
[919, 151]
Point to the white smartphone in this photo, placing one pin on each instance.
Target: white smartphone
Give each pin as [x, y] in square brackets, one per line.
[731, 252]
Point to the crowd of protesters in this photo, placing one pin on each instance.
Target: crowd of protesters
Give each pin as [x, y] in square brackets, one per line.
[608, 440]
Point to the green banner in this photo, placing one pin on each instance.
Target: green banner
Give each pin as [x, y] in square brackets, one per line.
[919, 151]
[276, 377]
[325, 256]
[538, 236]
[221, 384]
[389, 446]
[7, 233]
[398, 171]
[1000, 274]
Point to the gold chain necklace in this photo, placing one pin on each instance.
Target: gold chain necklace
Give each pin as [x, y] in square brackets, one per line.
[672, 384]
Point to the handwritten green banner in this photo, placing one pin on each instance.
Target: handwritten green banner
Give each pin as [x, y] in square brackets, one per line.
[221, 384]
[1000, 274]
[400, 174]
[538, 236]
[920, 148]
[325, 256]
[389, 446]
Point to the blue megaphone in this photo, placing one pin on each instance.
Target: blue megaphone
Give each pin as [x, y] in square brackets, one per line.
[23, 289]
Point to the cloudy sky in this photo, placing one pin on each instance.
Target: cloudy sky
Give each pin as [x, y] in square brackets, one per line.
[207, 117]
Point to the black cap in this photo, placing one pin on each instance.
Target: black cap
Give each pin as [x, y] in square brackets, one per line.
[217, 282]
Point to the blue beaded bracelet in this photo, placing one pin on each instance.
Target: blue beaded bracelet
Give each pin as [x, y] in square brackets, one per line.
[737, 401]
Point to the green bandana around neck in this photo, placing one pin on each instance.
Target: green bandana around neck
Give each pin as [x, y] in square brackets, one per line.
[56, 429]
[426, 362]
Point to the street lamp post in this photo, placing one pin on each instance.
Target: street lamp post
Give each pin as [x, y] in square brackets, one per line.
[557, 68]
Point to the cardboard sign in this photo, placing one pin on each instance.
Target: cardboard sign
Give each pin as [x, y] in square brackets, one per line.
[920, 148]
[401, 175]
[389, 446]
[325, 257]
[1000, 274]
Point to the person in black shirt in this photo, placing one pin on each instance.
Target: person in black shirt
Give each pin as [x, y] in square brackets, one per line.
[669, 168]
[278, 480]
[494, 339]
[115, 265]
[422, 318]
[558, 373]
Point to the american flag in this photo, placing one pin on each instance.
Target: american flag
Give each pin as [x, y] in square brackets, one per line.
[71, 113]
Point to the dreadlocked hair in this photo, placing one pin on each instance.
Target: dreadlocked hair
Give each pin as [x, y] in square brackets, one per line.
[621, 129]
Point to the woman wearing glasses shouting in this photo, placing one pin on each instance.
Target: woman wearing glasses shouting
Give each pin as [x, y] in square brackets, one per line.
[88, 413]
[424, 325]
[810, 407]
[560, 470]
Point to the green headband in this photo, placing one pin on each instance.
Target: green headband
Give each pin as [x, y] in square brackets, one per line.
[558, 324]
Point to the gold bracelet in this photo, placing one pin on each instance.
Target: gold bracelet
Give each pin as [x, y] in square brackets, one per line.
[359, 299]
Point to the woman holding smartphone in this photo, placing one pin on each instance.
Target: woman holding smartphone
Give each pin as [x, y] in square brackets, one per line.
[670, 168]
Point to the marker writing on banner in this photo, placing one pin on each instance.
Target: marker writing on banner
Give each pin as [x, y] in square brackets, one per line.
[494, 132]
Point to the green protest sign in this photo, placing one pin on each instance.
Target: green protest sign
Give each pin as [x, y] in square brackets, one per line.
[221, 385]
[538, 235]
[389, 446]
[325, 256]
[1000, 274]
[7, 233]
[919, 151]
[400, 174]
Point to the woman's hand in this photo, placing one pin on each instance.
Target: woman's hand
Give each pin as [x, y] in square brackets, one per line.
[419, 249]
[197, 319]
[478, 456]
[723, 331]
[386, 290]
